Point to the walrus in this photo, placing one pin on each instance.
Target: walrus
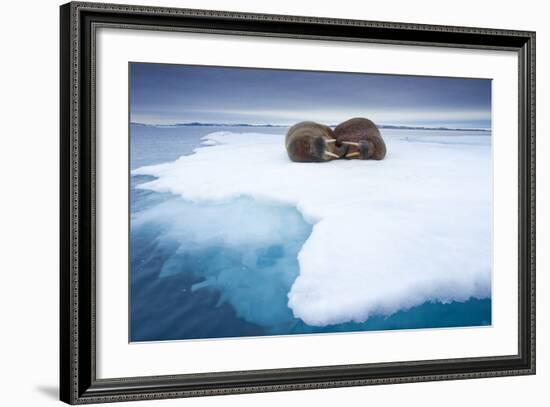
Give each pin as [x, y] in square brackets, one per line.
[312, 142]
[362, 139]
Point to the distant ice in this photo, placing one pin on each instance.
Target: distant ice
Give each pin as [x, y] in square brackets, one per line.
[387, 235]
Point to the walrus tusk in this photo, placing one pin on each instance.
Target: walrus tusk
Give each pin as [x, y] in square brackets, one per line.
[331, 154]
[330, 141]
[350, 143]
[356, 154]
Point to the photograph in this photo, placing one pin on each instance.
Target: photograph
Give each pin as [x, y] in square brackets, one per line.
[291, 202]
[255, 201]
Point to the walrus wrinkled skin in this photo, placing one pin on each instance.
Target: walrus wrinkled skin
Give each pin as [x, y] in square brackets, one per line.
[312, 142]
[362, 139]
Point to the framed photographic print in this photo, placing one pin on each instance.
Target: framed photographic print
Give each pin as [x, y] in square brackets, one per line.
[256, 203]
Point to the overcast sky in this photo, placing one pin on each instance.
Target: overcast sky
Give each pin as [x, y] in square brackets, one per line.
[167, 94]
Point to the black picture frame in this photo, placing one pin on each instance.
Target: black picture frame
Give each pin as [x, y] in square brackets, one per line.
[78, 382]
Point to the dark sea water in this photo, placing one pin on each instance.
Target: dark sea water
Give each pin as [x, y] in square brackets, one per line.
[188, 282]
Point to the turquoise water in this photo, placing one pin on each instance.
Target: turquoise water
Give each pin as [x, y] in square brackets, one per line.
[224, 269]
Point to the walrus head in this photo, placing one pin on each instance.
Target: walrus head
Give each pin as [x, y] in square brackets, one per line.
[362, 139]
[312, 142]
[358, 150]
[373, 149]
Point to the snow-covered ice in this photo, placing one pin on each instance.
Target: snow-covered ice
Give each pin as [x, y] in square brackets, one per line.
[387, 235]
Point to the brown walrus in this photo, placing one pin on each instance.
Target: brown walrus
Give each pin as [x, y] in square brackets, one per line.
[312, 142]
[362, 138]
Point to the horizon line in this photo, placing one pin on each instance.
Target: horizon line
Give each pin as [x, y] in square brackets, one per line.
[387, 126]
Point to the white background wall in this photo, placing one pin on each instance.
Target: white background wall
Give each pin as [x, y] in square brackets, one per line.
[29, 205]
